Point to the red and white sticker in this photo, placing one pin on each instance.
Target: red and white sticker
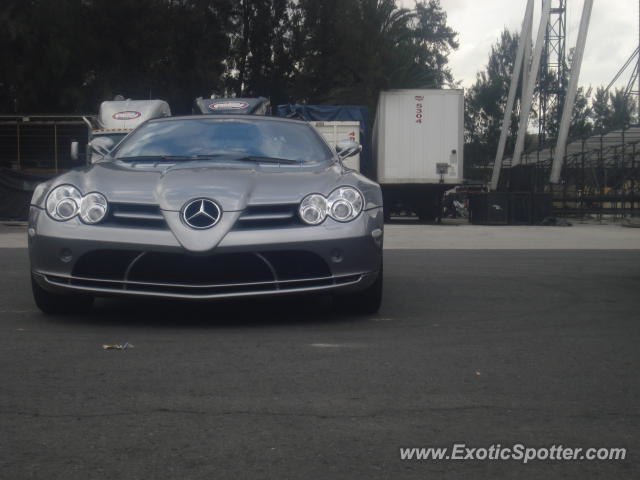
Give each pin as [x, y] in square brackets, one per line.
[228, 105]
[126, 115]
[419, 99]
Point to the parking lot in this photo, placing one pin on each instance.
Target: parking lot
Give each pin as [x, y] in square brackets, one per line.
[487, 335]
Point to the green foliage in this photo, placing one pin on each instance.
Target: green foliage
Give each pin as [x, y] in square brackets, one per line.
[581, 117]
[370, 45]
[260, 61]
[612, 109]
[486, 100]
[69, 55]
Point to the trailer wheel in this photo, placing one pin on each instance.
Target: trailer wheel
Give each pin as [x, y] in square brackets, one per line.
[426, 214]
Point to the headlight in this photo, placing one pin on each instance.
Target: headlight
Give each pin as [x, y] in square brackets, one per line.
[63, 203]
[93, 208]
[313, 209]
[344, 204]
[66, 201]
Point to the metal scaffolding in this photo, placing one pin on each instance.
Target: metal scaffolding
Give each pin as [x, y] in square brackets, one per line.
[521, 64]
[552, 84]
[572, 89]
[554, 98]
[600, 174]
[553, 72]
[634, 79]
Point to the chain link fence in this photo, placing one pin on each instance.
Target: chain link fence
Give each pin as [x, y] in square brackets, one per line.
[33, 149]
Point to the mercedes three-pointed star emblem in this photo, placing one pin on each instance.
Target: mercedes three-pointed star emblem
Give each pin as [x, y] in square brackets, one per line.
[201, 213]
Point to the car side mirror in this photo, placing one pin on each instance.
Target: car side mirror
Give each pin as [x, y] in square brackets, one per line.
[347, 148]
[74, 151]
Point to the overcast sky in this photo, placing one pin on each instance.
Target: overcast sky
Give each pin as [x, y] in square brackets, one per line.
[612, 37]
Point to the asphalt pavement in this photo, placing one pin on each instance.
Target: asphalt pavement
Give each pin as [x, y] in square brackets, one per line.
[481, 347]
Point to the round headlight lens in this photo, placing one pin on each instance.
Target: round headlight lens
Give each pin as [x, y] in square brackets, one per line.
[63, 203]
[93, 208]
[313, 209]
[341, 210]
[346, 204]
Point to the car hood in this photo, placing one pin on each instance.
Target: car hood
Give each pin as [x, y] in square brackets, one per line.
[233, 185]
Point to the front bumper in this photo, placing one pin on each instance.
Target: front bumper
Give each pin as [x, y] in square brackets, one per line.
[108, 260]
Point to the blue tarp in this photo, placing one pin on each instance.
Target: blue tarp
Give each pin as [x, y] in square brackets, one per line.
[334, 113]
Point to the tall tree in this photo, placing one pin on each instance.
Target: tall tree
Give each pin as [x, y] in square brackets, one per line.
[42, 53]
[433, 40]
[67, 56]
[611, 109]
[622, 109]
[581, 123]
[354, 48]
[486, 100]
[601, 110]
[173, 50]
[261, 60]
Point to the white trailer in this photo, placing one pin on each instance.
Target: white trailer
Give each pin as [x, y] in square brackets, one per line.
[119, 117]
[116, 119]
[417, 148]
[335, 131]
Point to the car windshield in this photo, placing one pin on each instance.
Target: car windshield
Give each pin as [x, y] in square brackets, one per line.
[116, 137]
[186, 139]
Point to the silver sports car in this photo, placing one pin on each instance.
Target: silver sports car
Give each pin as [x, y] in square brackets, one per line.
[205, 208]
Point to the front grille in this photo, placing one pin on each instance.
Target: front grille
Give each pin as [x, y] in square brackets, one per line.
[197, 275]
[200, 270]
[104, 264]
[253, 217]
[294, 265]
[268, 216]
[135, 215]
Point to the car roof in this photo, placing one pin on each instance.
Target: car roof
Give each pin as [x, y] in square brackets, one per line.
[216, 118]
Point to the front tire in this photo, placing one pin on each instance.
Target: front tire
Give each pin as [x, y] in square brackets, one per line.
[365, 302]
[57, 304]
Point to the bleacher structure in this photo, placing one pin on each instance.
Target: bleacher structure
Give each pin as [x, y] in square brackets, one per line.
[600, 174]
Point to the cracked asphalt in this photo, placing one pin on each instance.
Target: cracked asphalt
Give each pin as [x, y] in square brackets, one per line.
[474, 346]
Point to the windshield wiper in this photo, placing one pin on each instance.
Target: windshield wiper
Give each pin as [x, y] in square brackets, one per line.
[222, 157]
[155, 158]
[260, 159]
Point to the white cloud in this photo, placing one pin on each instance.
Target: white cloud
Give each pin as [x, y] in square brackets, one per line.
[613, 34]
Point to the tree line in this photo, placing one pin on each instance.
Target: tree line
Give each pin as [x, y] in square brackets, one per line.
[595, 111]
[66, 56]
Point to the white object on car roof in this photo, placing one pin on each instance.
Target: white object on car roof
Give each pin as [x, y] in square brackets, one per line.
[128, 114]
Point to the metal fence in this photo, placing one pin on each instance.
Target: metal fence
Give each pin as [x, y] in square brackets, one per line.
[600, 174]
[33, 149]
[41, 144]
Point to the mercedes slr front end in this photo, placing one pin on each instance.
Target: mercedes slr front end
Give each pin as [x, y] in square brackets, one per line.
[207, 208]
